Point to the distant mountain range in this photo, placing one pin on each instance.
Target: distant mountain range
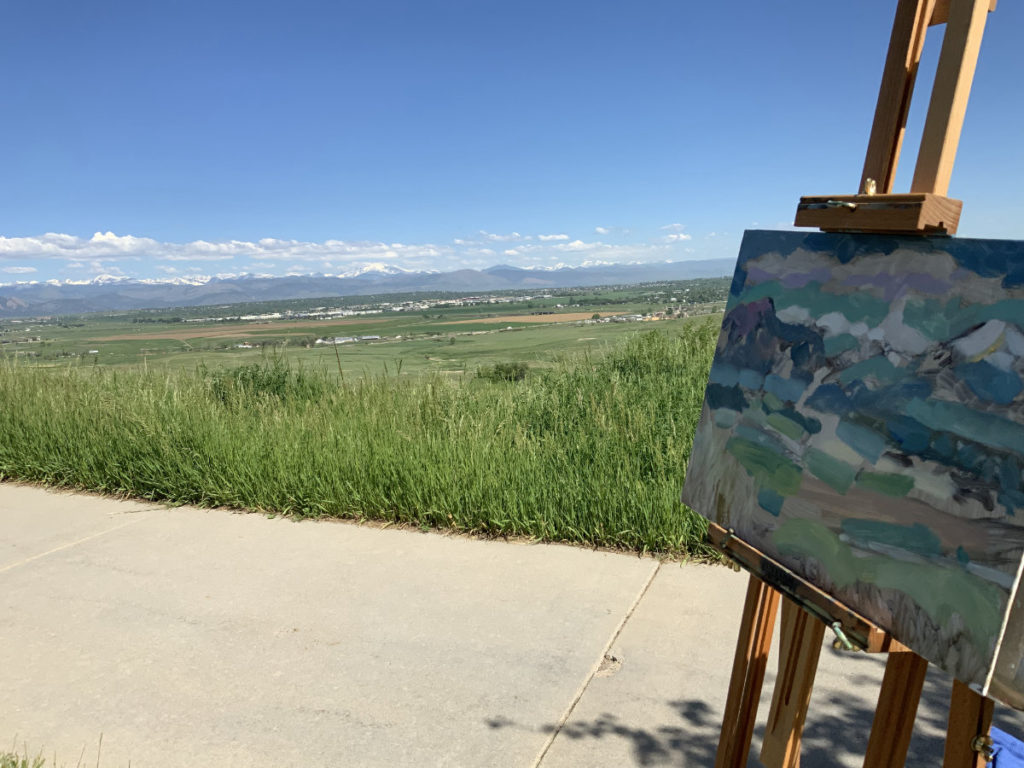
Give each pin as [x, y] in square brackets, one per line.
[107, 292]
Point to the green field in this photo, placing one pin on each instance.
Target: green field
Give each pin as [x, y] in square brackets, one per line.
[440, 338]
[589, 449]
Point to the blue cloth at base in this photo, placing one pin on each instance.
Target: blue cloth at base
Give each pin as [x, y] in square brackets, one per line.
[1007, 750]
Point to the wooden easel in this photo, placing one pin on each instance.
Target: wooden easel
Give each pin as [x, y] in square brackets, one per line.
[926, 209]
[806, 610]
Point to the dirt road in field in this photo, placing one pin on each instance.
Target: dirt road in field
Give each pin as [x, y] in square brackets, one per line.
[227, 330]
[558, 317]
[236, 330]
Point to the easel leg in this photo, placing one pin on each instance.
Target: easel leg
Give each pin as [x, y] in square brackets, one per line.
[747, 674]
[970, 715]
[897, 710]
[800, 639]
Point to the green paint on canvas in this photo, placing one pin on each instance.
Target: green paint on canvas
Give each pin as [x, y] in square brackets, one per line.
[915, 538]
[788, 427]
[754, 415]
[885, 482]
[930, 316]
[984, 428]
[807, 538]
[865, 441]
[724, 418]
[770, 501]
[874, 367]
[836, 345]
[855, 307]
[830, 470]
[941, 591]
[772, 402]
[943, 320]
[1008, 310]
[768, 467]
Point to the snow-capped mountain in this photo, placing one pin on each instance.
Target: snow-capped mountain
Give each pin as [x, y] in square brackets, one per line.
[115, 292]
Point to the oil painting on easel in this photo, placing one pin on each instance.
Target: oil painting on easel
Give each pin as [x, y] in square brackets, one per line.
[864, 425]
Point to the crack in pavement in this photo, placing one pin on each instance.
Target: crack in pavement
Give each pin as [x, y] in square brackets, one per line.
[70, 544]
[594, 669]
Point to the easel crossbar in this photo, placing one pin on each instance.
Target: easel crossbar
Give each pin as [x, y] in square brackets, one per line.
[861, 632]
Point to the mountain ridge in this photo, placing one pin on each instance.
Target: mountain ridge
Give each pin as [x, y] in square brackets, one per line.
[113, 292]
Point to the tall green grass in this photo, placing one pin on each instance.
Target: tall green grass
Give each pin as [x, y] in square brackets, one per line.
[592, 450]
[14, 760]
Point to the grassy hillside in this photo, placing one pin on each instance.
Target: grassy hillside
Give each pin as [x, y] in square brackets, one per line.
[590, 450]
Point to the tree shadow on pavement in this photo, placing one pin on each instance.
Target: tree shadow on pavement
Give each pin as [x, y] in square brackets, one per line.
[836, 732]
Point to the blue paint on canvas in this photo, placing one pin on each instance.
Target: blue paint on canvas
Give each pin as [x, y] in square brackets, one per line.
[876, 442]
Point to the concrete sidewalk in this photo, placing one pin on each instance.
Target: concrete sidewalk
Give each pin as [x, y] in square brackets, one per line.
[204, 638]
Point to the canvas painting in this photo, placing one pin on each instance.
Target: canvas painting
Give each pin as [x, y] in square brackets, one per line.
[863, 424]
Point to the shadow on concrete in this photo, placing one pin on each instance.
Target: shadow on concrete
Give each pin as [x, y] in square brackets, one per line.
[836, 733]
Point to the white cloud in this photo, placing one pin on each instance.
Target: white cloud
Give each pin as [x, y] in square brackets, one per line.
[105, 268]
[577, 245]
[677, 227]
[126, 243]
[197, 257]
[602, 230]
[53, 254]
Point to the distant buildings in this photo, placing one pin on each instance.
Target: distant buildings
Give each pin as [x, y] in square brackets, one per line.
[346, 339]
[336, 340]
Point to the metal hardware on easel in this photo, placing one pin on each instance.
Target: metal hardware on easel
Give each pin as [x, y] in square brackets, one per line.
[983, 746]
[732, 561]
[840, 204]
[841, 641]
[870, 187]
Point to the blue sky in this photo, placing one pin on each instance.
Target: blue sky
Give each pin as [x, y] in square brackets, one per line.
[169, 139]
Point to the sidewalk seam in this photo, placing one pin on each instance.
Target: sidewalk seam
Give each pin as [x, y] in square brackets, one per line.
[70, 544]
[594, 669]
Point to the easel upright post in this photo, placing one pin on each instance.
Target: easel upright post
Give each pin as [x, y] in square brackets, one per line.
[890, 123]
[957, 62]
